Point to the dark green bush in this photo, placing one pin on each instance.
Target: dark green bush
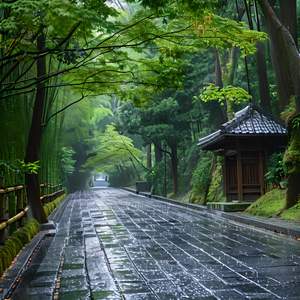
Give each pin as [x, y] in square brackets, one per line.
[201, 178]
[276, 172]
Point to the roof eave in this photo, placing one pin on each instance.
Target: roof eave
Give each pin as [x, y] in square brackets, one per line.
[212, 144]
[207, 145]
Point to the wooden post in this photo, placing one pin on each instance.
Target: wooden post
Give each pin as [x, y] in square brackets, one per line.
[19, 205]
[225, 178]
[239, 176]
[12, 211]
[2, 217]
[261, 172]
[2, 209]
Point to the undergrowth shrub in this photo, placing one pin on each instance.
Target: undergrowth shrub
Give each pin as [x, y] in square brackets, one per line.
[201, 178]
[276, 175]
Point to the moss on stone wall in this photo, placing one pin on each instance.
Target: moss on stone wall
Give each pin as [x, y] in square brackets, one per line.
[268, 204]
[49, 207]
[216, 189]
[292, 213]
[22, 236]
[207, 181]
[292, 154]
[15, 243]
[272, 204]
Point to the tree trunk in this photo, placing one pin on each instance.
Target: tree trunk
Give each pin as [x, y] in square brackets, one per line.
[221, 115]
[293, 191]
[288, 17]
[278, 56]
[35, 138]
[292, 60]
[218, 70]
[264, 92]
[158, 152]
[290, 55]
[234, 58]
[235, 54]
[261, 66]
[174, 168]
[149, 157]
[292, 162]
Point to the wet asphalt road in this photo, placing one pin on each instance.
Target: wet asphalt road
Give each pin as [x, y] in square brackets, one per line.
[112, 244]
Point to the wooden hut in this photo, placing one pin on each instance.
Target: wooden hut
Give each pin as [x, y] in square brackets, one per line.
[246, 142]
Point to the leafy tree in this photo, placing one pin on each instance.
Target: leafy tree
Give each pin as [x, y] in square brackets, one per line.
[113, 151]
[164, 121]
[227, 96]
[291, 63]
[67, 67]
[42, 50]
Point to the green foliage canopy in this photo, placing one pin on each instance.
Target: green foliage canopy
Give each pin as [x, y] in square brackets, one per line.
[222, 95]
[113, 149]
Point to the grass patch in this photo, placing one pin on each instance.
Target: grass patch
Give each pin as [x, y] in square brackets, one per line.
[292, 213]
[269, 204]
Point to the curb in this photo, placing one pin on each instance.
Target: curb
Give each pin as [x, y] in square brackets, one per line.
[13, 274]
[58, 211]
[277, 226]
[172, 201]
[291, 229]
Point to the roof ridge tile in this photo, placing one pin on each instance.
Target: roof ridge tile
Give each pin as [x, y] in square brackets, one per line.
[249, 120]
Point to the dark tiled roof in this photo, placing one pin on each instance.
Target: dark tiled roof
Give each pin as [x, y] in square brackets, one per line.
[251, 120]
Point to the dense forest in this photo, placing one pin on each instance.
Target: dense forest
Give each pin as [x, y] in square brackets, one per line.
[127, 88]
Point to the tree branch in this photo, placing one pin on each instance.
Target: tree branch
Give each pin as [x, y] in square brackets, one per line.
[63, 109]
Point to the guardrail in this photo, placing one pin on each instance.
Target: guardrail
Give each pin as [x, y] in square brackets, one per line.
[13, 205]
